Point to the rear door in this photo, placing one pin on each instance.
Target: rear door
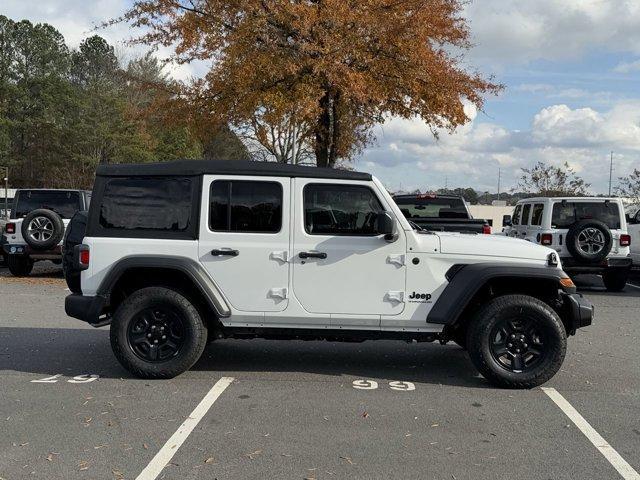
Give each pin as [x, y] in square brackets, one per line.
[244, 239]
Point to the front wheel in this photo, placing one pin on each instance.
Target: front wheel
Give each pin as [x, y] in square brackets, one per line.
[615, 280]
[157, 333]
[517, 341]
[19, 266]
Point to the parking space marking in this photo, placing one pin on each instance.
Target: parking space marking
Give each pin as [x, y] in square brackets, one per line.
[624, 469]
[169, 449]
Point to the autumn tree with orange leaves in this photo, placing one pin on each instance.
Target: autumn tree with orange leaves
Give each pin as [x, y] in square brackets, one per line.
[337, 67]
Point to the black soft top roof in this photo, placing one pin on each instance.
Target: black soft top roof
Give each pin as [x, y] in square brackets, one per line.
[228, 167]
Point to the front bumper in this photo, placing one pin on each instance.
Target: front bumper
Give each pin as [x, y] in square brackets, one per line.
[578, 311]
[87, 309]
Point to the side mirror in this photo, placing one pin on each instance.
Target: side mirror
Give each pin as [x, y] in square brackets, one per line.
[506, 221]
[386, 225]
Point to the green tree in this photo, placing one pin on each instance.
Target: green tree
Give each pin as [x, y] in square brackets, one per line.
[629, 186]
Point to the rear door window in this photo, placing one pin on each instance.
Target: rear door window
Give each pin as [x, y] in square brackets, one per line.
[566, 214]
[63, 203]
[526, 210]
[515, 220]
[245, 206]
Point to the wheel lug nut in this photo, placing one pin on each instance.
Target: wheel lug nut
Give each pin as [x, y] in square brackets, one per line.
[513, 335]
[509, 345]
[517, 350]
[155, 341]
[148, 335]
[164, 337]
[525, 345]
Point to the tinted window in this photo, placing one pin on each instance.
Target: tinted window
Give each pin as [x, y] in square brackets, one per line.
[417, 208]
[525, 214]
[566, 214]
[536, 215]
[146, 203]
[515, 220]
[63, 203]
[340, 210]
[245, 206]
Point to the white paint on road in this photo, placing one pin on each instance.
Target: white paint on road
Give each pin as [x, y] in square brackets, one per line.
[166, 453]
[624, 469]
[632, 285]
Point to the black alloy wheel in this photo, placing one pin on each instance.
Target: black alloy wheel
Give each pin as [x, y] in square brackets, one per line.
[517, 345]
[156, 334]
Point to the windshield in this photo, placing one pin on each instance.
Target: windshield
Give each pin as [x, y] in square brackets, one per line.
[63, 203]
[566, 214]
[419, 208]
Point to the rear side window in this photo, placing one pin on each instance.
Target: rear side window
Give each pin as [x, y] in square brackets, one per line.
[536, 214]
[145, 203]
[340, 210]
[566, 214]
[525, 214]
[245, 206]
[515, 220]
[63, 203]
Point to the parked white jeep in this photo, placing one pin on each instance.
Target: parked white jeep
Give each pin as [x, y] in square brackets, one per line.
[589, 233]
[179, 253]
[37, 224]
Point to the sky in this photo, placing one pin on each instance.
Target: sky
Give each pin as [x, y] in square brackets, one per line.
[571, 69]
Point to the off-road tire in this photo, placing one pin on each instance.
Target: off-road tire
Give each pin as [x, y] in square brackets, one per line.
[19, 266]
[615, 279]
[57, 231]
[541, 315]
[573, 236]
[150, 297]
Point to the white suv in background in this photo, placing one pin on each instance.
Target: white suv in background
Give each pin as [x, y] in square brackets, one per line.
[589, 233]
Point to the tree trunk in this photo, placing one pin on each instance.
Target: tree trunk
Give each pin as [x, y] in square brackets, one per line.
[323, 131]
[335, 133]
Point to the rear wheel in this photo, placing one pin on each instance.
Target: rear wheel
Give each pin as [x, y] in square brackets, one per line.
[615, 280]
[157, 333]
[517, 341]
[19, 266]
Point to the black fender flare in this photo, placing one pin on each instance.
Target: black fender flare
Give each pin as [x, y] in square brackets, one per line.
[189, 267]
[466, 280]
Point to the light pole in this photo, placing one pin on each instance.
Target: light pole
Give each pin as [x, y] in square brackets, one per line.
[6, 192]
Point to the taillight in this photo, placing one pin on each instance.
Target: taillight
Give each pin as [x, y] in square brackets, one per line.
[486, 229]
[81, 256]
[625, 240]
[84, 257]
[10, 228]
[546, 239]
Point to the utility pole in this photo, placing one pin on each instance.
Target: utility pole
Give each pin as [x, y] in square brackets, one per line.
[6, 192]
[499, 175]
[610, 172]
[446, 183]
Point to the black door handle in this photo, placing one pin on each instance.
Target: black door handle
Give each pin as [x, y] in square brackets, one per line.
[312, 255]
[219, 252]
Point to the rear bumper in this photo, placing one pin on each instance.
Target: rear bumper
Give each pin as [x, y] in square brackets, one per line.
[23, 249]
[578, 311]
[85, 308]
[570, 265]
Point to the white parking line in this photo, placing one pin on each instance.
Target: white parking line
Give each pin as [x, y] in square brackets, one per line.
[624, 469]
[166, 453]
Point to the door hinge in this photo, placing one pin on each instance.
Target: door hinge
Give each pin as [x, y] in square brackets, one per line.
[281, 255]
[395, 296]
[396, 260]
[282, 293]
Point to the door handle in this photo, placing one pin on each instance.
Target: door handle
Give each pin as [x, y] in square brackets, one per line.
[218, 252]
[312, 255]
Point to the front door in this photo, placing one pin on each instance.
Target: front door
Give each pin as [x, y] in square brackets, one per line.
[341, 266]
[244, 240]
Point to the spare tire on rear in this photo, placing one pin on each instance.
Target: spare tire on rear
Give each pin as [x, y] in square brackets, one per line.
[42, 229]
[589, 241]
[74, 236]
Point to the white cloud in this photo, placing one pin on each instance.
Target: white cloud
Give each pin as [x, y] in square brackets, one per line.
[508, 32]
[627, 67]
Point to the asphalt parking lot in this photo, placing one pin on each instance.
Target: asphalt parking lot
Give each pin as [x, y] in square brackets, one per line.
[296, 410]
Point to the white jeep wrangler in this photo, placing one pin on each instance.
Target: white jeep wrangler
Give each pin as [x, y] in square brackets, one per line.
[181, 253]
[589, 233]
